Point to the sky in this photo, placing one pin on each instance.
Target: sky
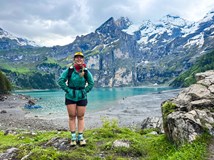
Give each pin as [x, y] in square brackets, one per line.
[58, 22]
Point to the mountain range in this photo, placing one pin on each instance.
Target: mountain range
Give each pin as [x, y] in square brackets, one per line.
[9, 41]
[118, 53]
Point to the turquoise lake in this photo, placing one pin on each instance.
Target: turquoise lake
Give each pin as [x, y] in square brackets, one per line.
[52, 101]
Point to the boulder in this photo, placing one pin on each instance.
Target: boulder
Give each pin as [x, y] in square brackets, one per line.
[153, 123]
[31, 102]
[121, 143]
[3, 111]
[191, 113]
[11, 153]
[62, 144]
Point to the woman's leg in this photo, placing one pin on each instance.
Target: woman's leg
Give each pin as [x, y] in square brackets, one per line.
[72, 114]
[80, 116]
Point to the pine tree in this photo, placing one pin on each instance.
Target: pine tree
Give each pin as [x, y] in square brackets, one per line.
[5, 86]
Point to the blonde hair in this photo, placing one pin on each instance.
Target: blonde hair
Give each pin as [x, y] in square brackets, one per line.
[82, 73]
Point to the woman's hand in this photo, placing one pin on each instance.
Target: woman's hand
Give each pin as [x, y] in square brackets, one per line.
[70, 92]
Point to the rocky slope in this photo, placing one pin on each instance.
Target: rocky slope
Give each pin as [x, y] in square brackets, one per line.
[191, 113]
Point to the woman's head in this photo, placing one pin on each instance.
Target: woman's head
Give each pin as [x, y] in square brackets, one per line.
[79, 58]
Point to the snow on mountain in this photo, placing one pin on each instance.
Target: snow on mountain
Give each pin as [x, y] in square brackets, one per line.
[170, 20]
[189, 29]
[131, 29]
[208, 20]
[208, 17]
[199, 31]
[20, 41]
[168, 27]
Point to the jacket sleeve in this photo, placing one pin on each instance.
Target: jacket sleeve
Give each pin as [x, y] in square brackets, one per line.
[90, 82]
[62, 81]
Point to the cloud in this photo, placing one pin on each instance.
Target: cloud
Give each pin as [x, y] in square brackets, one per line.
[52, 22]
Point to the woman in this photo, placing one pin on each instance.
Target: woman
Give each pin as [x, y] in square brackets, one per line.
[76, 95]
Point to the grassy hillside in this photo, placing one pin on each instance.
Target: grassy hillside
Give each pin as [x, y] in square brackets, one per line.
[142, 145]
[30, 68]
[204, 63]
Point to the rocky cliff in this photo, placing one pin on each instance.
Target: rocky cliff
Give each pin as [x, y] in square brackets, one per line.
[191, 113]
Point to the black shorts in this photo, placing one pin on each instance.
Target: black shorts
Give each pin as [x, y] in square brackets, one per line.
[79, 103]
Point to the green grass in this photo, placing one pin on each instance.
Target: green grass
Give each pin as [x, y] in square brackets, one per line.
[16, 68]
[51, 60]
[167, 108]
[203, 63]
[143, 146]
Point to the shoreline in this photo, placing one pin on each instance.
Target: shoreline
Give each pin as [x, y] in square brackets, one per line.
[129, 112]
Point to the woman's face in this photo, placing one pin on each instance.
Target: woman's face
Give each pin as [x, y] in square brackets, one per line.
[79, 60]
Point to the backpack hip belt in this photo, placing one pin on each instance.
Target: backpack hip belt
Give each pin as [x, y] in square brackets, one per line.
[77, 88]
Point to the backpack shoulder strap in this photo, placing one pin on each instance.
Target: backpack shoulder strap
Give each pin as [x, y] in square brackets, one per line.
[70, 71]
[86, 74]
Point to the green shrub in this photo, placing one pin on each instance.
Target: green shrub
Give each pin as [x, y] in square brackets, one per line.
[167, 108]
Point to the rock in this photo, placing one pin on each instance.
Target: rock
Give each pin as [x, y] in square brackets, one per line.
[6, 132]
[153, 123]
[2, 97]
[62, 144]
[153, 133]
[31, 102]
[3, 111]
[205, 76]
[190, 114]
[62, 129]
[121, 143]
[11, 153]
[27, 156]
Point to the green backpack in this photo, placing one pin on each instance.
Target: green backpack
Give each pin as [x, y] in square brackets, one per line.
[71, 70]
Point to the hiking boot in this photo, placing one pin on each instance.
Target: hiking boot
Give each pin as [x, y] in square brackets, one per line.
[73, 143]
[81, 140]
[73, 139]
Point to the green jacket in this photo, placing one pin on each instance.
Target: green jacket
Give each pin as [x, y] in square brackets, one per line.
[77, 89]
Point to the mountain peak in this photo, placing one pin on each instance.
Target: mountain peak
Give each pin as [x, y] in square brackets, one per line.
[5, 34]
[146, 24]
[107, 26]
[172, 16]
[209, 16]
[173, 20]
[123, 22]
[6, 38]
[111, 19]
